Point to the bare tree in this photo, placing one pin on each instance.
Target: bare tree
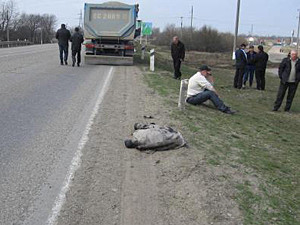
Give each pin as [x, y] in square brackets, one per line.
[2, 18]
[204, 39]
[7, 14]
[33, 23]
[34, 27]
[47, 26]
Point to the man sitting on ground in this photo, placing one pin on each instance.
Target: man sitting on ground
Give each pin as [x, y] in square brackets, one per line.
[200, 90]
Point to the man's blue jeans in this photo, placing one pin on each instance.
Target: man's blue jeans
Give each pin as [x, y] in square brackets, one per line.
[249, 73]
[63, 49]
[208, 95]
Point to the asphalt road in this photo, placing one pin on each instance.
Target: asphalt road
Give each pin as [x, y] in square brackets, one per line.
[44, 110]
[275, 56]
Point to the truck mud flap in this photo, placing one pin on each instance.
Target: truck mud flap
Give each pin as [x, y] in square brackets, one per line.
[108, 60]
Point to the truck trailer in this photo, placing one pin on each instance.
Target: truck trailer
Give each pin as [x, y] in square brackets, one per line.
[109, 32]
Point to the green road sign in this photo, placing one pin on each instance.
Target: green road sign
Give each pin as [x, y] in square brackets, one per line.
[146, 28]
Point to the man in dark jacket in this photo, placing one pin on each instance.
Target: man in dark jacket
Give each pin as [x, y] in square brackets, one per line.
[240, 64]
[77, 40]
[260, 61]
[178, 54]
[250, 68]
[63, 36]
[289, 74]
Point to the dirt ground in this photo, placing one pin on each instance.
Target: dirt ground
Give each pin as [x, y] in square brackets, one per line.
[119, 186]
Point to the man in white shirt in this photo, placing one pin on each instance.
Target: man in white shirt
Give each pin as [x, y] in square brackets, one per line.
[201, 90]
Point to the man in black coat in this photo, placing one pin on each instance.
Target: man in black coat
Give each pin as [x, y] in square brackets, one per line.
[289, 74]
[63, 36]
[240, 65]
[77, 40]
[260, 61]
[178, 54]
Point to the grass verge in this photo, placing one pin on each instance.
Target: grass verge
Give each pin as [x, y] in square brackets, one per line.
[263, 145]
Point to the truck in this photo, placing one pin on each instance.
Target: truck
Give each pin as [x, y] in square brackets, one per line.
[109, 33]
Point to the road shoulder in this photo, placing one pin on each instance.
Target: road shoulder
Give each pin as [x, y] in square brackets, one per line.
[116, 185]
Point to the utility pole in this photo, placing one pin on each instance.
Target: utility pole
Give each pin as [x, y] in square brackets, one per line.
[7, 33]
[251, 30]
[236, 28]
[181, 25]
[41, 36]
[298, 31]
[192, 18]
[80, 18]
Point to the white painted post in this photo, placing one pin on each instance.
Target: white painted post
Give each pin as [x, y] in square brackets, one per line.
[183, 93]
[143, 52]
[152, 58]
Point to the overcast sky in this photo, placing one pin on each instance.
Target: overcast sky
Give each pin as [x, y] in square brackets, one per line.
[278, 17]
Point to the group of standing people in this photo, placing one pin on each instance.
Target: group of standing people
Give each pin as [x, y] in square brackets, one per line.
[201, 85]
[250, 63]
[63, 35]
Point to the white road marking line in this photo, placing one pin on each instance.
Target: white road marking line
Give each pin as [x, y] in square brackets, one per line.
[76, 161]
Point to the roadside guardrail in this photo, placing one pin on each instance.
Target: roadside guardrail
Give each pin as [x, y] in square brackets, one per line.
[9, 44]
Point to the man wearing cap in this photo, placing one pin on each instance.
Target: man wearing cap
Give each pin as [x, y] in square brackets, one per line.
[289, 74]
[200, 90]
[240, 65]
